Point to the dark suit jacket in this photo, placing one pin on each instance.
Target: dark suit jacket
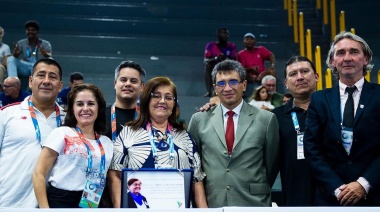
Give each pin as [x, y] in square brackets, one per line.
[325, 154]
[132, 204]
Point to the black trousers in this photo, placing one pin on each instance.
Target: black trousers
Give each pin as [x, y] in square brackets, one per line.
[59, 198]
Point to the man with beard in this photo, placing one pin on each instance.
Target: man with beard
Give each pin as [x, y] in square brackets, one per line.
[216, 52]
[129, 83]
[275, 98]
[27, 51]
[298, 187]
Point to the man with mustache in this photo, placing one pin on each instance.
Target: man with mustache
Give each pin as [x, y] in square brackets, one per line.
[27, 51]
[238, 143]
[275, 98]
[298, 187]
[24, 126]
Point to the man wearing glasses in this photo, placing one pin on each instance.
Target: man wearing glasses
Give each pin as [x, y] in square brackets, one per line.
[238, 143]
[12, 92]
[275, 98]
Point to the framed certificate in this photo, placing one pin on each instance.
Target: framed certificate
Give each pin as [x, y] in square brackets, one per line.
[156, 188]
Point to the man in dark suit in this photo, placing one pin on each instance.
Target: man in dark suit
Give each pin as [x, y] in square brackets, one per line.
[342, 139]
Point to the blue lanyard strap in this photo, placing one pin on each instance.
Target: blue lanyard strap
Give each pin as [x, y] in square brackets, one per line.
[113, 119]
[295, 122]
[34, 118]
[102, 153]
[169, 131]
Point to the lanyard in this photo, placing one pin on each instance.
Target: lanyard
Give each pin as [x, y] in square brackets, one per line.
[169, 131]
[34, 118]
[295, 122]
[102, 153]
[28, 48]
[113, 119]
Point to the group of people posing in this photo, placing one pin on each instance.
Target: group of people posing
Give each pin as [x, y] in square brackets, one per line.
[323, 143]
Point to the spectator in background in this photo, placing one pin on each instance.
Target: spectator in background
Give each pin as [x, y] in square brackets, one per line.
[76, 78]
[286, 98]
[342, 140]
[275, 98]
[253, 60]
[240, 162]
[24, 128]
[259, 99]
[27, 51]
[216, 52]
[298, 186]
[4, 53]
[128, 84]
[12, 92]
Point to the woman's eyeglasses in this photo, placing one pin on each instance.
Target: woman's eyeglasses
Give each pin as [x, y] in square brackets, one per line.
[158, 97]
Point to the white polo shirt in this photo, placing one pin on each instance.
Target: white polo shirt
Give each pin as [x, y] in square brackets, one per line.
[19, 151]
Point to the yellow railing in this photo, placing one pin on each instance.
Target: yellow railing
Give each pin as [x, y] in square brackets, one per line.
[318, 66]
[332, 19]
[325, 13]
[296, 20]
[328, 78]
[368, 76]
[302, 36]
[308, 45]
[342, 21]
[295, 24]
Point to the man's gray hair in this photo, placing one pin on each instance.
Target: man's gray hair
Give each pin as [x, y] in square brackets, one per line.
[366, 50]
[268, 77]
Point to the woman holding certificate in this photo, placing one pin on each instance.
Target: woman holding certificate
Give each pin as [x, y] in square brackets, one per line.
[156, 140]
[76, 153]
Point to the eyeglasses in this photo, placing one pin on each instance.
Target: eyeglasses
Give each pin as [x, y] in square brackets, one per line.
[270, 85]
[7, 86]
[157, 97]
[232, 83]
[137, 184]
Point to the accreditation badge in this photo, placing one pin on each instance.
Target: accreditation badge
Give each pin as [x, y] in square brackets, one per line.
[92, 193]
[300, 154]
[347, 137]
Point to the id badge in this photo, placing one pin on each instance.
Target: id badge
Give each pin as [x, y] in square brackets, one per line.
[92, 193]
[347, 137]
[300, 154]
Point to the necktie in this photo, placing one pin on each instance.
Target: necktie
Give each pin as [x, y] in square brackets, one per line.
[230, 132]
[348, 113]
